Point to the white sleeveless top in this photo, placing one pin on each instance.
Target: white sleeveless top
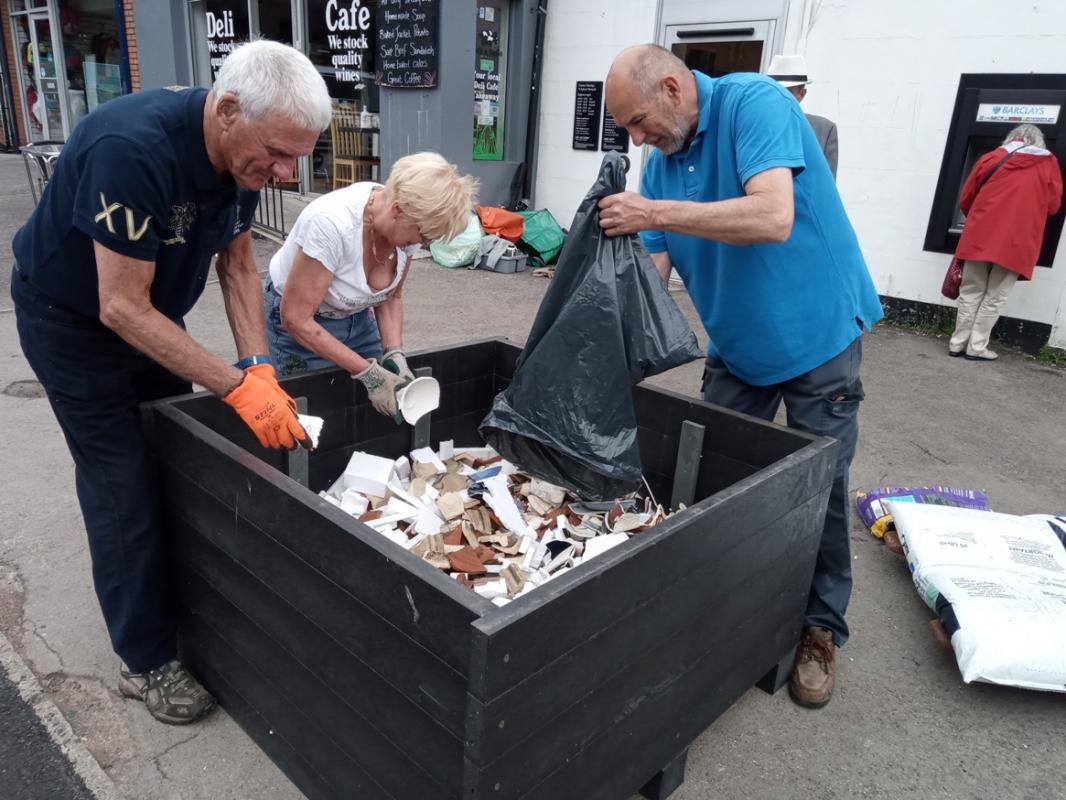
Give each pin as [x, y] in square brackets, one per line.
[330, 230]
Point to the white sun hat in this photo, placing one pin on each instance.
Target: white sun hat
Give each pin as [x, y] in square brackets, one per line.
[788, 70]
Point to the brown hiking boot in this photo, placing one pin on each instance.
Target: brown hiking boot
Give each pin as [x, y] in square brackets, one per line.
[171, 694]
[815, 672]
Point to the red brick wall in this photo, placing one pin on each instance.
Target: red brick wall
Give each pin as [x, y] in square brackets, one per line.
[131, 45]
[12, 71]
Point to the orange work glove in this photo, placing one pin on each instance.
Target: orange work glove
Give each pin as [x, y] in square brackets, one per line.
[265, 409]
[266, 371]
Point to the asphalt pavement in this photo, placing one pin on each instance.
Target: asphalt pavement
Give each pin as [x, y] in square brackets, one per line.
[902, 725]
[32, 765]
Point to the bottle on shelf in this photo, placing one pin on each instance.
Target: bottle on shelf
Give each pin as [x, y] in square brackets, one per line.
[364, 118]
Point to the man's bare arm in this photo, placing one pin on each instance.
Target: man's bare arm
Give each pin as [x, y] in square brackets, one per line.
[126, 308]
[662, 263]
[763, 215]
[242, 292]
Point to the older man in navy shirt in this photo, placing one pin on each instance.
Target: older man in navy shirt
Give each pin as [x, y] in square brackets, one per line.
[739, 199]
[147, 190]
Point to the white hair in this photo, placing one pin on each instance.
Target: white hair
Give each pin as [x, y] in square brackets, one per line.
[1030, 134]
[272, 78]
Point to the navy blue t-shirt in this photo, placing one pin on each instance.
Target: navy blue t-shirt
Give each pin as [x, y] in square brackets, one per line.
[135, 177]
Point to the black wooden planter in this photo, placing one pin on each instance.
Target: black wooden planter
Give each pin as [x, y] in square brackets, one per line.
[364, 672]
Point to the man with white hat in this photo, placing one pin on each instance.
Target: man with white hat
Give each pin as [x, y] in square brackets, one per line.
[791, 72]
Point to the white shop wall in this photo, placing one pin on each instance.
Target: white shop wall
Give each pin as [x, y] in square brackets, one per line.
[886, 73]
[580, 42]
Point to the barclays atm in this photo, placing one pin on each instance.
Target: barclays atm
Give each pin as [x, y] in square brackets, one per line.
[987, 107]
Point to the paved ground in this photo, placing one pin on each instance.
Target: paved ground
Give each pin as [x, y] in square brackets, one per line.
[902, 726]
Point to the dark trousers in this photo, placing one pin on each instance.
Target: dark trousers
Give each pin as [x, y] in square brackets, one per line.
[824, 401]
[94, 381]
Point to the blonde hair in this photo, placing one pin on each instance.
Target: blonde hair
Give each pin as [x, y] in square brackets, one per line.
[432, 194]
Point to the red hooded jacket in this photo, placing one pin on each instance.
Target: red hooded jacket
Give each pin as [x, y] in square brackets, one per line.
[1005, 217]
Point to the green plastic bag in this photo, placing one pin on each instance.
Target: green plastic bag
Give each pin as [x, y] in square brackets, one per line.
[542, 238]
[461, 251]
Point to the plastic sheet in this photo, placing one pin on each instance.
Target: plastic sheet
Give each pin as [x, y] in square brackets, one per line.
[606, 323]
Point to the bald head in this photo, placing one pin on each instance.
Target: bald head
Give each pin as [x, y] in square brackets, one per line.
[644, 66]
[653, 95]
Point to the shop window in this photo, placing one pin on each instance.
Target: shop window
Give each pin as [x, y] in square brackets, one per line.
[39, 76]
[490, 73]
[341, 39]
[91, 56]
[227, 27]
[275, 20]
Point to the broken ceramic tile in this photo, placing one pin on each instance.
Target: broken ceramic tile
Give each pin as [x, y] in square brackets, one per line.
[539, 505]
[313, 426]
[450, 505]
[627, 523]
[393, 535]
[454, 536]
[453, 482]
[424, 455]
[446, 450]
[488, 472]
[401, 467]
[513, 579]
[429, 544]
[429, 522]
[469, 533]
[354, 502]
[500, 501]
[549, 493]
[421, 469]
[418, 398]
[368, 474]
[466, 560]
[601, 544]
[492, 588]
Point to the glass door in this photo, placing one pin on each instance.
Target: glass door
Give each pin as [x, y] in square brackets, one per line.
[719, 48]
[40, 79]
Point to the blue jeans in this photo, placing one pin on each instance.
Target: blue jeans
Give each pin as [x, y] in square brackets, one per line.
[358, 332]
[94, 381]
[825, 402]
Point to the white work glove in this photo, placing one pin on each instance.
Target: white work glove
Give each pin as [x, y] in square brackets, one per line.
[381, 387]
[396, 362]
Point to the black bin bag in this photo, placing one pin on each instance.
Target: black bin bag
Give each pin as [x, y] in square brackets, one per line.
[606, 323]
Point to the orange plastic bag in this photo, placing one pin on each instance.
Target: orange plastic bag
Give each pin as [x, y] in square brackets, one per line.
[501, 222]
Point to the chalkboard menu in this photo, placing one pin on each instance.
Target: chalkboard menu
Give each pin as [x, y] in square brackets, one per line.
[615, 137]
[407, 54]
[587, 102]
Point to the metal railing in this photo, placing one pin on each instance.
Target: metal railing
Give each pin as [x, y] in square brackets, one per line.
[270, 216]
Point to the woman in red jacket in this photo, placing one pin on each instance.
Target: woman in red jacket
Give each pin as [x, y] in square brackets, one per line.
[1005, 216]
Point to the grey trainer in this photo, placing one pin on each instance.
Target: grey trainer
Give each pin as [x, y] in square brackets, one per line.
[171, 694]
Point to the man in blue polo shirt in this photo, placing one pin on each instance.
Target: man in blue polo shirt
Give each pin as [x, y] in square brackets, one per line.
[739, 199]
[147, 190]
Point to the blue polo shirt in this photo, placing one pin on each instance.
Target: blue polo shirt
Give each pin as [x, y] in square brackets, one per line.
[135, 177]
[772, 311]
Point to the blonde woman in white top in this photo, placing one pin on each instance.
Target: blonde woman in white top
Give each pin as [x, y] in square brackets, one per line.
[335, 291]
